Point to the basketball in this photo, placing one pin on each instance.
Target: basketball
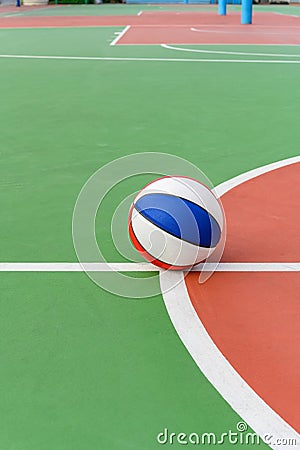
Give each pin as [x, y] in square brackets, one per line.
[175, 222]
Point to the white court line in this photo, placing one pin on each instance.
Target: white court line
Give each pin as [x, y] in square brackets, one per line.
[12, 15]
[287, 15]
[31, 9]
[238, 27]
[268, 33]
[145, 267]
[219, 52]
[210, 360]
[189, 26]
[222, 188]
[115, 41]
[109, 58]
[217, 369]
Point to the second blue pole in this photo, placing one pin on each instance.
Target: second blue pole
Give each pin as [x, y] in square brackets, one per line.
[246, 12]
[222, 4]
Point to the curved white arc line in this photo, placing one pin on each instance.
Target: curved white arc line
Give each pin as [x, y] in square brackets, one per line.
[219, 372]
[239, 32]
[226, 186]
[217, 369]
[219, 52]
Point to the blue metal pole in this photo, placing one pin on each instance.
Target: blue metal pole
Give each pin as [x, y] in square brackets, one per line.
[222, 7]
[246, 12]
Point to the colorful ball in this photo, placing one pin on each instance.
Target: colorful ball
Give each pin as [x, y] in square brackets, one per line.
[175, 222]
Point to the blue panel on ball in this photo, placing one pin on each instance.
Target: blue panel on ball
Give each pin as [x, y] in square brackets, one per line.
[181, 218]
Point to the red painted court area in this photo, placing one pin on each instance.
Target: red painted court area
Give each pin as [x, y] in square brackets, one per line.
[179, 27]
[209, 28]
[253, 318]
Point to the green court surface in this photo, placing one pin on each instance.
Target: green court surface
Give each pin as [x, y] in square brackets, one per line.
[82, 369]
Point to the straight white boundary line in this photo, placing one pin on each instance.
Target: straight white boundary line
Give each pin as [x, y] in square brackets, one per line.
[223, 52]
[23, 13]
[282, 14]
[195, 60]
[12, 15]
[217, 369]
[144, 267]
[116, 40]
